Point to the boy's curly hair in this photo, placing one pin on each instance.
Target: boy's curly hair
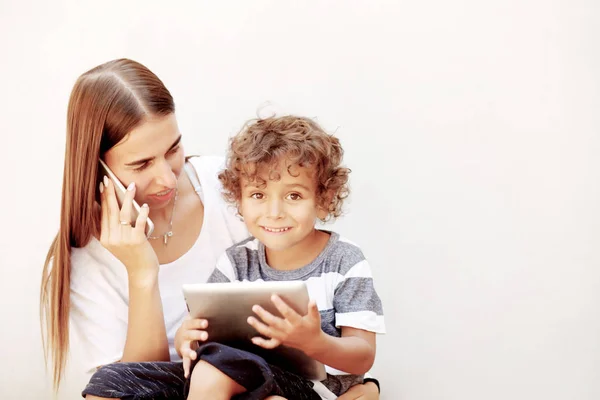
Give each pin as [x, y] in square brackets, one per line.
[300, 142]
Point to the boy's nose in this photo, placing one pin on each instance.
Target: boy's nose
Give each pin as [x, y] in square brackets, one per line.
[275, 209]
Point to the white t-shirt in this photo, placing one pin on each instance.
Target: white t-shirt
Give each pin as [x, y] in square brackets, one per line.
[99, 285]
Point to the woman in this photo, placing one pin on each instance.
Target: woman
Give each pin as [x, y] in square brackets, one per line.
[120, 290]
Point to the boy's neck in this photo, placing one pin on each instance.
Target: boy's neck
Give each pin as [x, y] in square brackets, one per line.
[300, 255]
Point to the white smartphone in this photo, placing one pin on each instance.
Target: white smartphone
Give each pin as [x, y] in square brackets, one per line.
[120, 191]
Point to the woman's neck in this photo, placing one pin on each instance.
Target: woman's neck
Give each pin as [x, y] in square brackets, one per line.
[163, 216]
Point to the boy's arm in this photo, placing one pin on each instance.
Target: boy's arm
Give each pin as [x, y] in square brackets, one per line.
[353, 353]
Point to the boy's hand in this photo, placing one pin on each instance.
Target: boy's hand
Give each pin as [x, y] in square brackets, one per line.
[294, 330]
[186, 339]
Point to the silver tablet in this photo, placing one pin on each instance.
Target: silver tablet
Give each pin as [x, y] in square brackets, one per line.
[227, 307]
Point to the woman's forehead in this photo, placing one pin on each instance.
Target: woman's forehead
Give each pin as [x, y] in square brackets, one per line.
[154, 135]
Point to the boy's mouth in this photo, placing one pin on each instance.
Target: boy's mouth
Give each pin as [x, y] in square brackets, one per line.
[276, 230]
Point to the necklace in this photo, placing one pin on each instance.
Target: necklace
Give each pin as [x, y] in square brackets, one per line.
[165, 237]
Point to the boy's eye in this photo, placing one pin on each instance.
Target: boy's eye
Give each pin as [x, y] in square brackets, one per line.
[294, 196]
[257, 196]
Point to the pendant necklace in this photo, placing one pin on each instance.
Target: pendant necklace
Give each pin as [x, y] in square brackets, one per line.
[165, 237]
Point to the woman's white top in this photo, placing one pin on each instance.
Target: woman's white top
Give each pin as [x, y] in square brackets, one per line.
[99, 285]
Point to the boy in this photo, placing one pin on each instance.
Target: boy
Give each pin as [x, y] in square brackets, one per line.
[282, 174]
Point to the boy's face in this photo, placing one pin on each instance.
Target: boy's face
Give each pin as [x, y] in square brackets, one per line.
[282, 213]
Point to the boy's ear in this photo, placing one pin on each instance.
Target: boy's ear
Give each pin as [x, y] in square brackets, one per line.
[322, 214]
[323, 211]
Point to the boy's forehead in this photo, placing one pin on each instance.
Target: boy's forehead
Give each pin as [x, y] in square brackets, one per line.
[282, 171]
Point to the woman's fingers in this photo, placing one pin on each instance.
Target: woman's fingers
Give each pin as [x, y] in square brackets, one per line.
[113, 207]
[104, 229]
[126, 208]
[140, 222]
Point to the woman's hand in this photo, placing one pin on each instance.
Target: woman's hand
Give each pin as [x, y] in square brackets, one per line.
[186, 340]
[129, 244]
[366, 391]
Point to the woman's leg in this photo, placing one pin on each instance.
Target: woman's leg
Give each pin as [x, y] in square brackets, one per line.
[137, 381]
[208, 382]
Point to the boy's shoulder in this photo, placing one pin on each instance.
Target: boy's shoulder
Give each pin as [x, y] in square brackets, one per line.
[243, 252]
[342, 253]
[250, 243]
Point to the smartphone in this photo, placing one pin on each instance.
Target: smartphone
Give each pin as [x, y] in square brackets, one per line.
[120, 191]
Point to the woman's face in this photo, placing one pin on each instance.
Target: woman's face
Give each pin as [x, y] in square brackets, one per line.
[152, 156]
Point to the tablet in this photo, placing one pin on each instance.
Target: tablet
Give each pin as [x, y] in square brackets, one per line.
[227, 307]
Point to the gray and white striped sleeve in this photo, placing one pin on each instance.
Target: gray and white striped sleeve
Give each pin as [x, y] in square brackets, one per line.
[224, 271]
[355, 301]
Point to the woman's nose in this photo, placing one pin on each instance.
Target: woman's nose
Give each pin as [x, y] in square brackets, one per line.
[166, 176]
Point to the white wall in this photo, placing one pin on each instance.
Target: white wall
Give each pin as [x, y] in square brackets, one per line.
[472, 128]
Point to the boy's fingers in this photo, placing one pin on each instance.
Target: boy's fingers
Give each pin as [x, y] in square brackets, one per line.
[186, 366]
[196, 323]
[188, 356]
[267, 317]
[285, 310]
[194, 334]
[266, 344]
[262, 328]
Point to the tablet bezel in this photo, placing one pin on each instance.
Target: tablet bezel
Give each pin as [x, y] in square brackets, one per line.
[227, 307]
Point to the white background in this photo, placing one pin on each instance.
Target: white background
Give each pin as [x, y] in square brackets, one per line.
[472, 128]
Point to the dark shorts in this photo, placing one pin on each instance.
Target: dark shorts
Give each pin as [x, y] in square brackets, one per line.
[164, 380]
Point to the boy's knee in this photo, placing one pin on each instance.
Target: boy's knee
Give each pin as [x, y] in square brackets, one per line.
[205, 375]
[207, 380]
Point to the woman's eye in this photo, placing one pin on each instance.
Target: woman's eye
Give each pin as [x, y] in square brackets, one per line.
[294, 196]
[257, 196]
[141, 167]
[174, 150]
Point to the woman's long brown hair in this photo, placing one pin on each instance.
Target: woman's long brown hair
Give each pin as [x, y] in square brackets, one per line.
[106, 103]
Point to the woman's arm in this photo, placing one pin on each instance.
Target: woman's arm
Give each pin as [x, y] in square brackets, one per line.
[146, 333]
